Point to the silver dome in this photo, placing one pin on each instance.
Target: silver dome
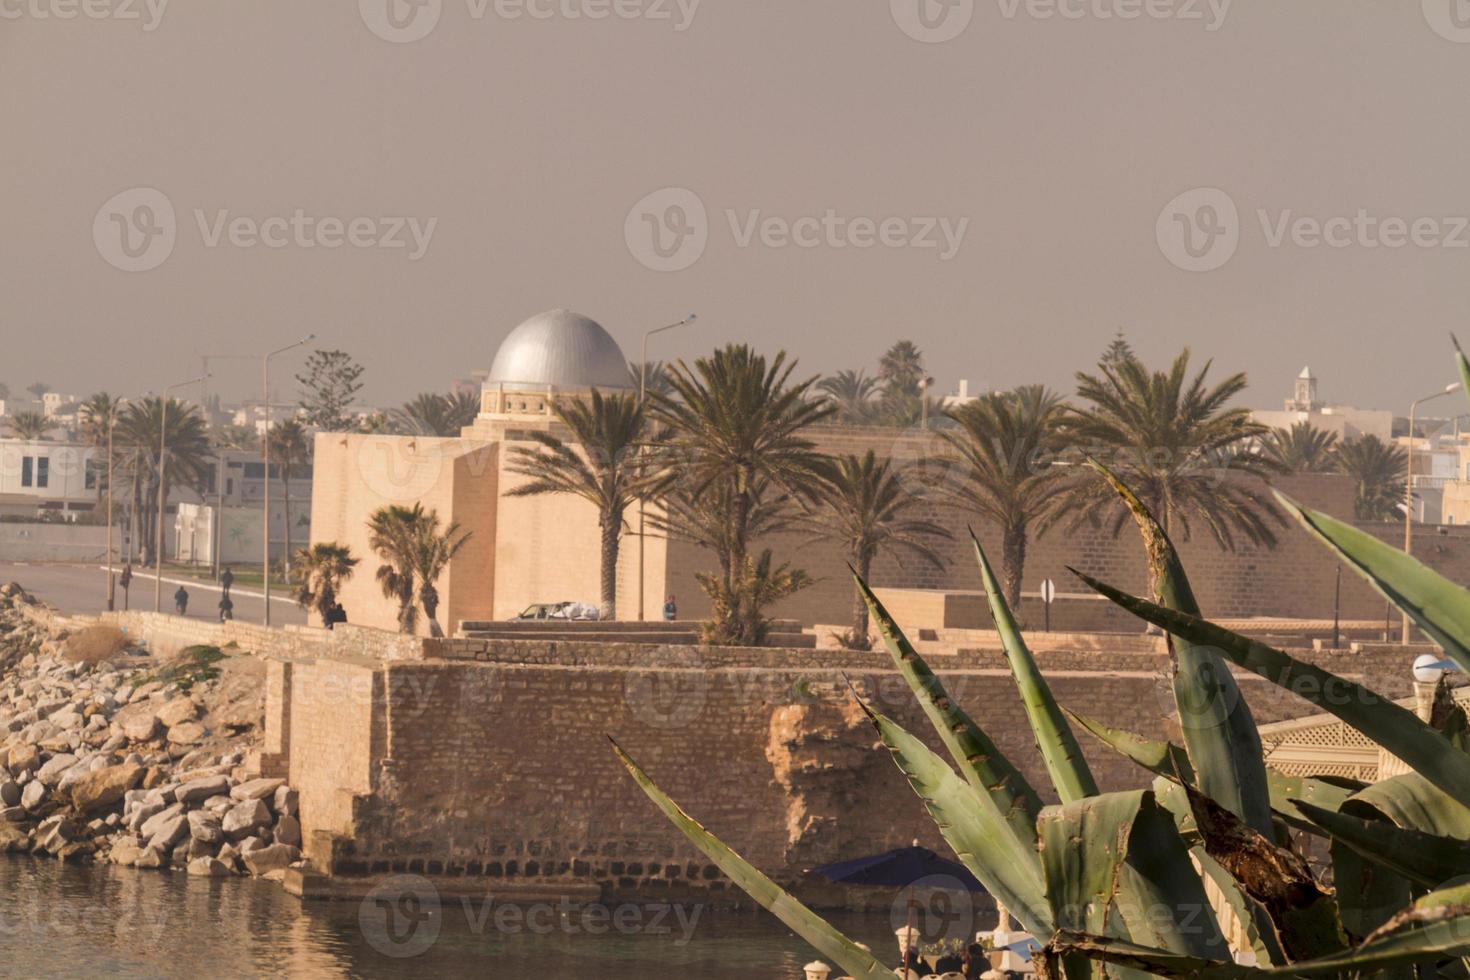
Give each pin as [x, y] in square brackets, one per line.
[560, 348]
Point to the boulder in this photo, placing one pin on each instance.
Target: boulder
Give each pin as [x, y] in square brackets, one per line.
[199, 790]
[178, 711]
[244, 818]
[9, 792]
[274, 857]
[149, 857]
[208, 867]
[104, 787]
[257, 789]
[205, 826]
[286, 801]
[288, 831]
[186, 733]
[24, 758]
[138, 723]
[33, 795]
[125, 851]
[51, 772]
[152, 824]
[169, 833]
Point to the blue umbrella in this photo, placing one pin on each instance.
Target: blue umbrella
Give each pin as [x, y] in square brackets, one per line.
[899, 868]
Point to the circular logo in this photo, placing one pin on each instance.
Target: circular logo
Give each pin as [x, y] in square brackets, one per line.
[666, 696]
[400, 21]
[1450, 19]
[399, 469]
[932, 21]
[667, 230]
[1199, 230]
[135, 230]
[940, 910]
[1202, 705]
[401, 917]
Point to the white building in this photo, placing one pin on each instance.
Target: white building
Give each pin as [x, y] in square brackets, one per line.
[1346, 421]
[37, 477]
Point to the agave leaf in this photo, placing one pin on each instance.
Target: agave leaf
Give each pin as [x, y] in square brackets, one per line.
[1064, 760]
[1254, 919]
[1391, 726]
[1427, 859]
[1435, 928]
[973, 826]
[1156, 961]
[1219, 732]
[1082, 846]
[1412, 802]
[1368, 893]
[817, 931]
[1439, 606]
[979, 760]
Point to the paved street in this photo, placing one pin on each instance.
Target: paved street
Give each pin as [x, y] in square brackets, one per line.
[83, 589]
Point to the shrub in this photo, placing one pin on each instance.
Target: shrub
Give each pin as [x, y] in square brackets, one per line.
[94, 645]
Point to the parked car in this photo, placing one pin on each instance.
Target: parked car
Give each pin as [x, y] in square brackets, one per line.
[546, 610]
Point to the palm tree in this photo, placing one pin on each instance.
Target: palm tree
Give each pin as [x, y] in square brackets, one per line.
[852, 393]
[289, 446]
[1303, 448]
[30, 426]
[867, 509]
[98, 415]
[1176, 441]
[432, 554]
[393, 535]
[1004, 468]
[1377, 469]
[653, 375]
[234, 437]
[432, 414]
[318, 574]
[609, 431]
[736, 420]
[901, 369]
[136, 439]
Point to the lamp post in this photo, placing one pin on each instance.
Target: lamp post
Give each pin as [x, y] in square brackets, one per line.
[642, 396]
[216, 537]
[111, 424]
[1409, 486]
[162, 463]
[265, 456]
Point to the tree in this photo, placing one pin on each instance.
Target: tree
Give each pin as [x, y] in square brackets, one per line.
[414, 554]
[901, 369]
[653, 375]
[318, 574]
[737, 420]
[433, 551]
[330, 380]
[240, 437]
[851, 393]
[376, 423]
[30, 426]
[1303, 448]
[867, 509]
[603, 468]
[1118, 351]
[1179, 444]
[432, 414]
[38, 390]
[1003, 467]
[98, 416]
[189, 456]
[1377, 470]
[289, 447]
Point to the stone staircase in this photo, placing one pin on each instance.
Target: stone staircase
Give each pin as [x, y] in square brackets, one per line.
[784, 632]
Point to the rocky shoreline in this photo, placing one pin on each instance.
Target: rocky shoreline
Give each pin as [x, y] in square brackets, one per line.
[110, 754]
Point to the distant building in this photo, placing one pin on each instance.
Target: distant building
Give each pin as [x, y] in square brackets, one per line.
[40, 477]
[1345, 421]
[961, 395]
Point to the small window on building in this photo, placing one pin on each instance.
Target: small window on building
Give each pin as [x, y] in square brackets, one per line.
[43, 470]
[27, 471]
[89, 479]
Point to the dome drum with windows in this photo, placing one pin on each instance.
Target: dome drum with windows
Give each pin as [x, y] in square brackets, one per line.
[553, 353]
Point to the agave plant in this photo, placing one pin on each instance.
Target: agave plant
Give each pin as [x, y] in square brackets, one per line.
[1127, 883]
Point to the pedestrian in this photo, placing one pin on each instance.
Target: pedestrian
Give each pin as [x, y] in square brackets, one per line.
[339, 615]
[125, 580]
[226, 608]
[226, 579]
[671, 609]
[181, 601]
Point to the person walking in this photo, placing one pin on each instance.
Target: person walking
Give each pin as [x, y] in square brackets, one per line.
[181, 601]
[671, 609]
[226, 608]
[125, 580]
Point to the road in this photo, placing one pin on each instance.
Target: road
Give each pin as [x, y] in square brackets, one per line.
[83, 589]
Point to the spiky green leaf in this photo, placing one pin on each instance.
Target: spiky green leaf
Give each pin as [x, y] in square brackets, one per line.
[1428, 859]
[817, 931]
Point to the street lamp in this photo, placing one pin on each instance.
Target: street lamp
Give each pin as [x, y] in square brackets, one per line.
[216, 537]
[642, 396]
[1409, 486]
[162, 463]
[265, 456]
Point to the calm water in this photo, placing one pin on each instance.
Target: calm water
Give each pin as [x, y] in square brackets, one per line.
[102, 921]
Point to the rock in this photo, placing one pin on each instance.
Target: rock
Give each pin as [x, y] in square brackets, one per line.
[251, 843]
[186, 733]
[10, 793]
[138, 725]
[169, 833]
[218, 804]
[205, 826]
[257, 789]
[243, 818]
[198, 790]
[33, 795]
[154, 778]
[267, 859]
[151, 825]
[149, 857]
[50, 773]
[208, 867]
[286, 802]
[13, 839]
[229, 857]
[104, 787]
[144, 811]
[288, 831]
[177, 711]
[126, 852]
[24, 758]
[14, 814]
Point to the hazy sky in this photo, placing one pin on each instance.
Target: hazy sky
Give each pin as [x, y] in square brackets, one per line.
[520, 141]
